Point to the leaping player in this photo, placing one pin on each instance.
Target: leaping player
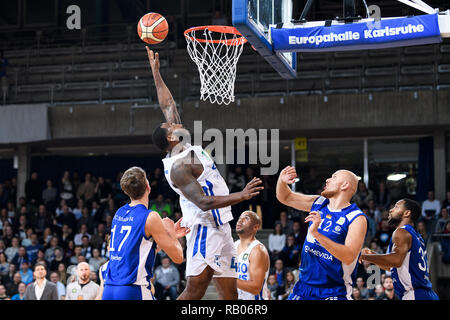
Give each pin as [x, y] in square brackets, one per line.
[253, 259]
[407, 254]
[335, 236]
[204, 199]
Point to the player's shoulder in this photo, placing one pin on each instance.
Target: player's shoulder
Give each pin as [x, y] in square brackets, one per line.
[320, 200]
[401, 233]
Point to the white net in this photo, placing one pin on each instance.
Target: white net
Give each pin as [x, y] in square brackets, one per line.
[216, 55]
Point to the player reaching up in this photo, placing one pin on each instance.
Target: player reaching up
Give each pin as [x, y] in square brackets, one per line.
[335, 236]
[205, 201]
[407, 254]
[253, 259]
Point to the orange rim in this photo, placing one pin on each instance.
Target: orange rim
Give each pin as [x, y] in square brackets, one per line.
[219, 29]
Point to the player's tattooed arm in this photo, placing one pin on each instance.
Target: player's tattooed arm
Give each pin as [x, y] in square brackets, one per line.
[401, 242]
[287, 197]
[184, 179]
[166, 101]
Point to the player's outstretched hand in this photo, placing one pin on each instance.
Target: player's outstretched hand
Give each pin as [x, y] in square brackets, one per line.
[288, 175]
[181, 231]
[252, 188]
[153, 58]
[314, 217]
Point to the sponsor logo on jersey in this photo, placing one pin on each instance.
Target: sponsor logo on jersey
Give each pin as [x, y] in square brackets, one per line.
[214, 167]
[216, 260]
[245, 256]
[337, 230]
[341, 221]
[74, 290]
[318, 253]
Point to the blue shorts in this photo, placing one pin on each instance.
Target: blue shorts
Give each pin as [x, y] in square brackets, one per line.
[420, 294]
[303, 291]
[131, 292]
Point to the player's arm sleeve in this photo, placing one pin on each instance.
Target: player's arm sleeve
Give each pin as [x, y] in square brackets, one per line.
[259, 264]
[182, 176]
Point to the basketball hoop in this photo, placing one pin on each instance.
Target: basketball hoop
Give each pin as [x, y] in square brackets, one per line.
[216, 51]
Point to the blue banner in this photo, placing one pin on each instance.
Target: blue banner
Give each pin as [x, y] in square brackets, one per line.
[387, 33]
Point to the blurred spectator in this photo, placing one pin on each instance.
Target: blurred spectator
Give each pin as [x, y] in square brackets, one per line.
[50, 251]
[13, 249]
[22, 227]
[446, 202]
[26, 273]
[41, 289]
[274, 287]
[47, 237]
[167, 279]
[27, 240]
[59, 208]
[442, 221]
[389, 293]
[363, 291]
[356, 294]
[3, 295]
[49, 195]
[59, 258]
[40, 258]
[4, 265]
[98, 238]
[54, 277]
[288, 286]
[363, 195]
[2, 246]
[33, 190]
[86, 219]
[8, 235]
[86, 190]
[286, 223]
[236, 180]
[86, 250]
[118, 193]
[74, 258]
[430, 210]
[34, 247]
[374, 212]
[96, 260]
[445, 244]
[77, 211]
[160, 204]
[277, 240]
[12, 287]
[371, 225]
[3, 196]
[21, 257]
[62, 272]
[109, 211]
[66, 236]
[279, 271]
[422, 230]
[8, 278]
[103, 191]
[43, 220]
[299, 231]
[20, 295]
[83, 288]
[383, 196]
[67, 217]
[384, 234]
[375, 247]
[291, 253]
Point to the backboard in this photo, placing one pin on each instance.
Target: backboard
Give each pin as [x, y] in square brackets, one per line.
[253, 19]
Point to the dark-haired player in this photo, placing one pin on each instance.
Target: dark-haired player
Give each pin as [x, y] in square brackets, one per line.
[135, 233]
[205, 201]
[407, 254]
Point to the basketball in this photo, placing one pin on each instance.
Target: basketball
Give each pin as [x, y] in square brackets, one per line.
[152, 28]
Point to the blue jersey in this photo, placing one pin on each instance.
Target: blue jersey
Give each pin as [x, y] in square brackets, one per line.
[318, 267]
[103, 270]
[131, 253]
[413, 273]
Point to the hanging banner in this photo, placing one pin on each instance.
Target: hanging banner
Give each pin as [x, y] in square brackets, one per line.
[386, 33]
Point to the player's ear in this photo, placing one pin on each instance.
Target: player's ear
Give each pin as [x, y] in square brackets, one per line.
[407, 213]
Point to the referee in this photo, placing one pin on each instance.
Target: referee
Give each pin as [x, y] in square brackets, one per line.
[83, 288]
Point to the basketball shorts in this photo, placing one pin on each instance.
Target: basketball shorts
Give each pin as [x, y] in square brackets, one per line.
[420, 294]
[130, 292]
[303, 291]
[211, 246]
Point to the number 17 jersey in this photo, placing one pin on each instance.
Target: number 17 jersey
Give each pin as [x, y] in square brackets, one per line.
[131, 253]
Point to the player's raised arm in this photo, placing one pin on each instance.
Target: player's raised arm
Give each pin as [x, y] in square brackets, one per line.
[401, 242]
[166, 101]
[259, 265]
[287, 197]
[184, 179]
[164, 236]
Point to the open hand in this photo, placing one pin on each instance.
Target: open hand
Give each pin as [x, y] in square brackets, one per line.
[288, 175]
[181, 231]
[252, 189]
[153, 58]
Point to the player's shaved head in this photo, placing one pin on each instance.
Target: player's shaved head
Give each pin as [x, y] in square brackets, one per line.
[246, 223]
[341, 182]
[351, 178]
[254, 218]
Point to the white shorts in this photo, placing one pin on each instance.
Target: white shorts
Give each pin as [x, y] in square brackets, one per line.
[211, 246]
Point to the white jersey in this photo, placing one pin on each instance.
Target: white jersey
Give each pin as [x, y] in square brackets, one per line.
[213, 185]
[244, 273]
